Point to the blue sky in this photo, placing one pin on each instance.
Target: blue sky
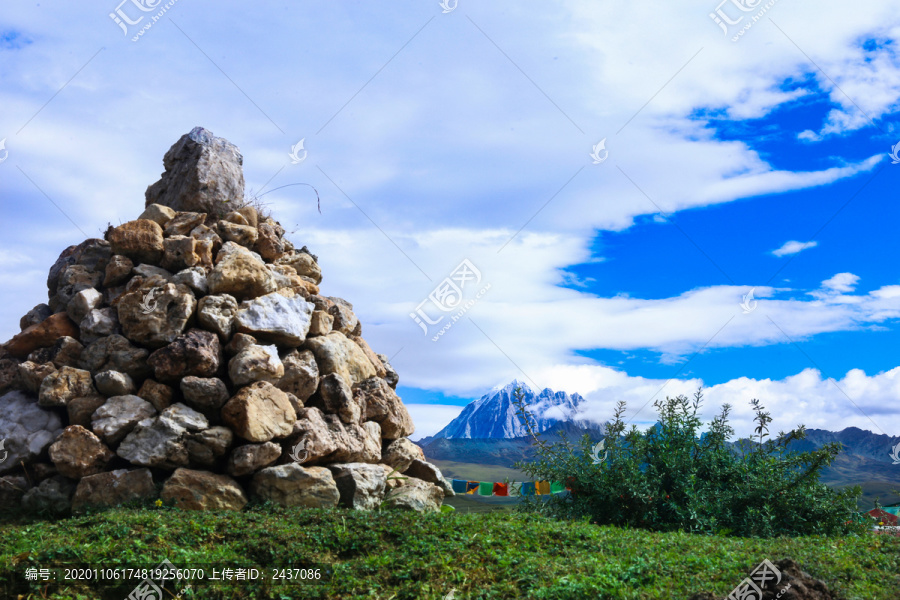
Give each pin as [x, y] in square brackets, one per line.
[439, 137]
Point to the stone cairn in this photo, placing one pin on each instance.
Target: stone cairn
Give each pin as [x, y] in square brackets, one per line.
[190, 357]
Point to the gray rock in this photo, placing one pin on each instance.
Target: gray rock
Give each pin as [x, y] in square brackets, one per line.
[116, 353]
[417, 495]
[34, 316]
[384, 406]
[361, 485]
[431, 473]
[276, 319]
[118, 271]
[66, 352]
[118, 416]
[197, 353]
[194, 278]
[293, 485]
[345, 320]
[336, 398]
[391, 377]
[113, 488]
[186, 417]
[156, 442]
[204, 447]
[52, 496]
[113, 383]
[400, 454]
[255, 363]
[301, 374]
[216, 314]
[26, 428]
[250, 458]
[98, 323]
[146, 271]
[203, 174]
[325, 439]
[82, 303]
[72, 280]
[205, 394]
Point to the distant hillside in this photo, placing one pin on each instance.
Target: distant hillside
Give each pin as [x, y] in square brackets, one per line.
[502, 452]
[488, 432]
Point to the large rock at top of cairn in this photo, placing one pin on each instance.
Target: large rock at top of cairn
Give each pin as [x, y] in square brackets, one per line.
[191, 351]
[204, 174]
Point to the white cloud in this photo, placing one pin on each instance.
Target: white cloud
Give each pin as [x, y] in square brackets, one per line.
[431, 418]
[793, 247]
[807, 398]
[842, 282]
[449, 149]
[809, 135]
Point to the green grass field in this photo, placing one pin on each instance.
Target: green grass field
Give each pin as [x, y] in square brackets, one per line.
[398, 555]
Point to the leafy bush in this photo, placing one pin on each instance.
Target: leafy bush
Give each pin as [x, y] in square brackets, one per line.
[669, 479]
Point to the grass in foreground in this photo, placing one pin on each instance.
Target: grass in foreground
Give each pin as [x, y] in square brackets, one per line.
[399, 555]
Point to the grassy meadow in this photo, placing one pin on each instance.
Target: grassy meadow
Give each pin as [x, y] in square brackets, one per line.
[391, 555]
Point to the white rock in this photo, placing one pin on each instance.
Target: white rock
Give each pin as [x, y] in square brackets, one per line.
[275, 318]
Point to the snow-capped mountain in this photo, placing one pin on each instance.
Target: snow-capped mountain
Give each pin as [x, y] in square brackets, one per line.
[494, 414]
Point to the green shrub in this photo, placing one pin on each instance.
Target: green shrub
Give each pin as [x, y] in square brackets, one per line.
[669, 479]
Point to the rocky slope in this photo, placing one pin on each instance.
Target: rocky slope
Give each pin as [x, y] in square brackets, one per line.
[190, 356]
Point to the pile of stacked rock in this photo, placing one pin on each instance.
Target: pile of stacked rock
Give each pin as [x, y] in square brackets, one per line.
[189, 356]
